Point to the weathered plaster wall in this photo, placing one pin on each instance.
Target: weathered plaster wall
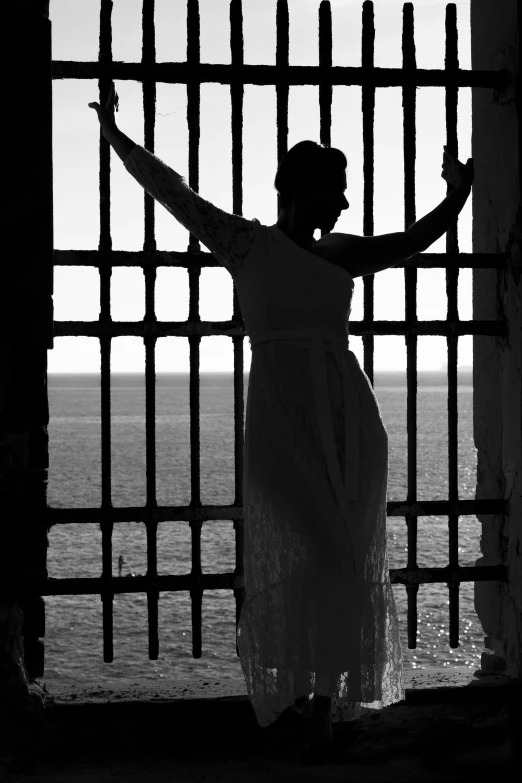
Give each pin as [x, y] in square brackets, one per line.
[496, 294]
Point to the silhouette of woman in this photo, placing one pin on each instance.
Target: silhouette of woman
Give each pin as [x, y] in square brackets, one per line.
[319, 615]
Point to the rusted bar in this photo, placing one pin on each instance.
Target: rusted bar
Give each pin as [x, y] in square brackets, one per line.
[409, 64]
[172, 583]
[182, 259]
[325, 67]
[182, 73]
[282, 82]
[368, 117]
[107, 596]
[452, 276]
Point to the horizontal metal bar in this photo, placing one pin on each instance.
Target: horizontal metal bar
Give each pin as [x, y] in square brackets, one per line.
[142, 328]
[231, 329]
[422, 576]
[226, 581]
[124, 584]
[430, 508]
[206, 513]
[452, 328]
[427, 508]
[187, 260]
[238, 74]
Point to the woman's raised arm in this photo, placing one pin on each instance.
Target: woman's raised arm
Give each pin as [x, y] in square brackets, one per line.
[229, 237]
[121, 143]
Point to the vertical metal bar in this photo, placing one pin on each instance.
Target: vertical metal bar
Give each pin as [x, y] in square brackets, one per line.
[193, 120]
[282, 82]
[409, 65]
[152, 592]
[236, 98]
[325, 73]
[452, 275]
[196, 593]
[149, 112]
[368, 112]
[105, 246]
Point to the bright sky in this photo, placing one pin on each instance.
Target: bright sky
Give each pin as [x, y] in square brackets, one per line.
[75, 25]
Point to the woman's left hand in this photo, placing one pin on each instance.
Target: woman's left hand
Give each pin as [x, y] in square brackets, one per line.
[455, 172]
[106, 114]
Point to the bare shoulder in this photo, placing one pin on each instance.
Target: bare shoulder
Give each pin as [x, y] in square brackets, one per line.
[340, 249]
[366, 255]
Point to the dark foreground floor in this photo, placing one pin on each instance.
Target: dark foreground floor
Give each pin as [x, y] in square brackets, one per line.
[436, 734]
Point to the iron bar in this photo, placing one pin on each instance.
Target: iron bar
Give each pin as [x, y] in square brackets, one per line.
[149, 246]
[187, 260]
[232, 329]
[225, 581]
[105, 246]
[368, 118]
[294, 75]
[452, 275]
[193, 121]
[209, 513]
[236, 100]
[410, 286]
[282, 84]
[325, 66]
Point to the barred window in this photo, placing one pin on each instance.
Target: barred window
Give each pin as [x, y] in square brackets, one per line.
[152, 302]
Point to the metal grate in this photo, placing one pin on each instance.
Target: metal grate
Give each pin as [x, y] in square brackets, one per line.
[282, 75]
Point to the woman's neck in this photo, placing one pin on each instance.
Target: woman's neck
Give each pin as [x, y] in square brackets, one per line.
[298, 230]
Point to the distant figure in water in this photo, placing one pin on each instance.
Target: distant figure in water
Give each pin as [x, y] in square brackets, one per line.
[121, 561]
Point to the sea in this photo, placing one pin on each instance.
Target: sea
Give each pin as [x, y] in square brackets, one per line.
[73, 636]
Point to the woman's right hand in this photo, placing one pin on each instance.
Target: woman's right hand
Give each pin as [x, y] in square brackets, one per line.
[455, 172]
[106, 115]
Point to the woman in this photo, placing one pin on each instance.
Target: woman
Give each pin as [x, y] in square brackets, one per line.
[319, 615]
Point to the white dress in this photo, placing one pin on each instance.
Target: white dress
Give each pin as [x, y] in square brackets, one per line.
[319, 613]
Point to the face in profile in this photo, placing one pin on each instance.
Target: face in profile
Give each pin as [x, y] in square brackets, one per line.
[325, 202]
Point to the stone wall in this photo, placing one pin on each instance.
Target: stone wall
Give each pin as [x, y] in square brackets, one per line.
[25, 336]
[497, 361]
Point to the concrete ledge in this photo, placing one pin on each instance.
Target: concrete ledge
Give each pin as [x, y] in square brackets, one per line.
[423, 686]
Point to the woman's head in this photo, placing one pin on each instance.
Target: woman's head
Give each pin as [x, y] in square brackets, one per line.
[311, 178]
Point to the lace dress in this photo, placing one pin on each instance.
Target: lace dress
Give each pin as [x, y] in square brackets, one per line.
[319, 613]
